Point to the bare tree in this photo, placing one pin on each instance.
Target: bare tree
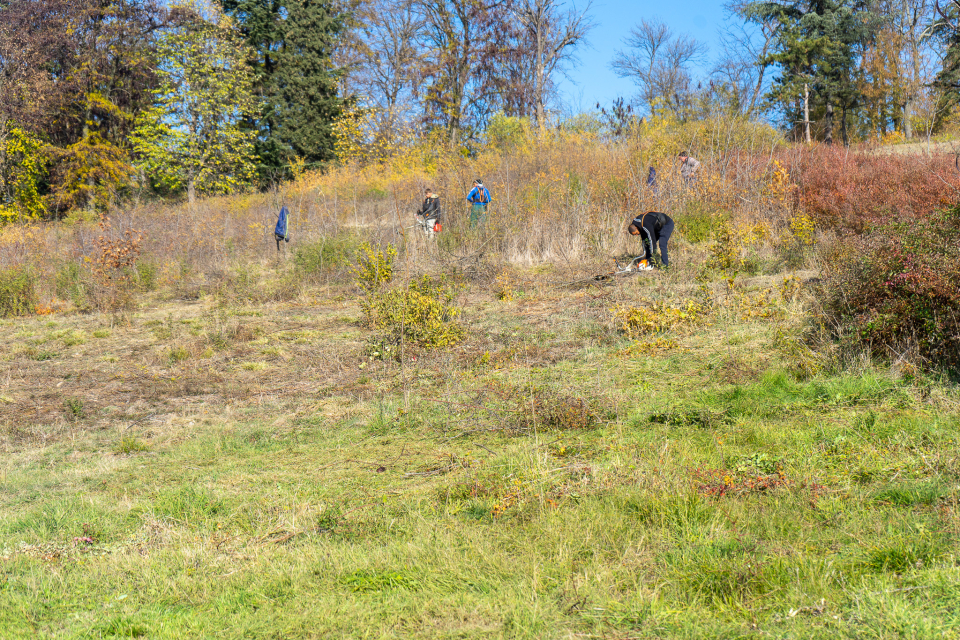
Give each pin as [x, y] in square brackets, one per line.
[550, 38]
[385, 60]
[658, 61]
[743, 63]
[461, 41]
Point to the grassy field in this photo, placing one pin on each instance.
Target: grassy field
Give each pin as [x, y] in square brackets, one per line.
[235, 469]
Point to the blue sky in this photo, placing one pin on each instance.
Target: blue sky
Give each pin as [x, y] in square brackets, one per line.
[593, 81]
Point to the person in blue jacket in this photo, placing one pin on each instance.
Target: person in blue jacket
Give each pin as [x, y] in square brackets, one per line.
[479, 198]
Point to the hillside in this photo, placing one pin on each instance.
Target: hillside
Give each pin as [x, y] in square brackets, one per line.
[373, 434]
[220, 467]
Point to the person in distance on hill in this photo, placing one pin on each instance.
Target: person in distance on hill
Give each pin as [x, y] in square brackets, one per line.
[479, 198]
[652, 180]
[653, 228]
[688, 168]
[429, 212]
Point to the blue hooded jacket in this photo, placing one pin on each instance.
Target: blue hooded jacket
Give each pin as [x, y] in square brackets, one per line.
[281, 230]
[479, 195]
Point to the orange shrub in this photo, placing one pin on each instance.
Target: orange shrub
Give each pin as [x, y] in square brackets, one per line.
[856, 191]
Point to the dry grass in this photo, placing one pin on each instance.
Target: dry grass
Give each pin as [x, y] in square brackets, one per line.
[563, 199]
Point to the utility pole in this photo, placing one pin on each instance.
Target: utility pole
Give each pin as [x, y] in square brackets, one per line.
[806, 112]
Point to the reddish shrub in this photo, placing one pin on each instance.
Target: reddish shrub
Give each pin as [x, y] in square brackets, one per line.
[898, 287]
[858, 191]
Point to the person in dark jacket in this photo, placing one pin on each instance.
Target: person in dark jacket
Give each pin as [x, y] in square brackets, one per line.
[429, 213]
[654, 228]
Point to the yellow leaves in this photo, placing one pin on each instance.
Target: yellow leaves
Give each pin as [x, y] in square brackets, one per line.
[194, 133]
[655, 317]
[504, 288]
[749, 236]
[362, 136]
[802, 228]
[298, 167]
[421, 312]
[506, 133]
[90, 171]
[97, 100]
[24, 167]
[9, 213]
[778, 190]
[374, 266]
[893, 137]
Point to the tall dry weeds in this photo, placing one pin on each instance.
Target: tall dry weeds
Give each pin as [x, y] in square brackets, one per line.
[559, 197]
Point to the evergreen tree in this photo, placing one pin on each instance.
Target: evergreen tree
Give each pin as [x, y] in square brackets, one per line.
[294, 41]
[817, 46]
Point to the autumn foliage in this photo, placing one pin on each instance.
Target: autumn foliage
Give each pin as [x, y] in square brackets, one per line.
[858, 191]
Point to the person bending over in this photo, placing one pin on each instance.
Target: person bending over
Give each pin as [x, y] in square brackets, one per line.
[654, 228]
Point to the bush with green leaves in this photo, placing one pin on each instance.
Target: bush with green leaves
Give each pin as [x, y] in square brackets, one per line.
[72, 283]
[145, 274]
[374, 266]
[326, 254]
[895, 290]
[18, 294]
[422, 312]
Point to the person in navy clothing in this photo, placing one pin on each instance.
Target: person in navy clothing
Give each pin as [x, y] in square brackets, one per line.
[654, 228]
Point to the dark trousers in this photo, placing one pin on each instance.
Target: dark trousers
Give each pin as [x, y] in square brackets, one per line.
[662, 239]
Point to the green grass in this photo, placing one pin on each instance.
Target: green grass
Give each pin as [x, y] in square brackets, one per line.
[540, 480]
[17, 292]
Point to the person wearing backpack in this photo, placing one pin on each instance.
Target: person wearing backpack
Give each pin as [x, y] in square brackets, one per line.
[654, 228]
[479, 198]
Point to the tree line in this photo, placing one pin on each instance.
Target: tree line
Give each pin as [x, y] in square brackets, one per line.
[102, 100]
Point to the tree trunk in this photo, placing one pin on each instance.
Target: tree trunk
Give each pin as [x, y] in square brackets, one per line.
[91, 185]
[907, 124]
[913, 22]
[539, 78]
[191, 190]
[828, 123]
[806, 113]
[843, 127]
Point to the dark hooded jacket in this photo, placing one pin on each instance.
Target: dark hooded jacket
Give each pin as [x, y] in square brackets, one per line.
[430, 207]
[653, 222]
